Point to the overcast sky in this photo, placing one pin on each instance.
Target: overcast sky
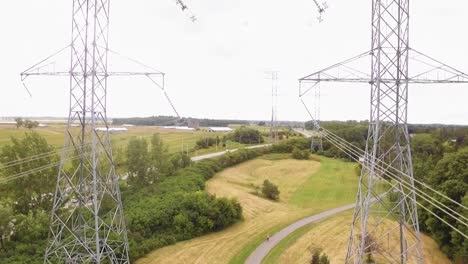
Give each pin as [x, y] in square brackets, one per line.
[215, 67]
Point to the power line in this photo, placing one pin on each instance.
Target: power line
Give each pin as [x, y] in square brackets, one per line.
[352, 154]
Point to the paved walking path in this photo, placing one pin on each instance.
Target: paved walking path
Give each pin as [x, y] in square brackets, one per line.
[216, 154]
[261, 251]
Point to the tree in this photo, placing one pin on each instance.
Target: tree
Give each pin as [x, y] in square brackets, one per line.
[138, 161]
[450, 177]
[247, 135]
[35, 190]
[160, 159]
[6, 225]
[19, 122]
[270, 190]
[224, 141]
[30, 124]
[180, 160]
[206, 142]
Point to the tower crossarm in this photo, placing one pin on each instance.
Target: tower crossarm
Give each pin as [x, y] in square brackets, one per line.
[51, 66]
[423, 70]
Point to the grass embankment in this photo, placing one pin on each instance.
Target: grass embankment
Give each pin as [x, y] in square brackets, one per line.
[331, 235]
[306, 187]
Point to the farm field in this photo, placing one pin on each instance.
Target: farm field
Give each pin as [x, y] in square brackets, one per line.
[177, 140]
[296, 180]
[331, 235]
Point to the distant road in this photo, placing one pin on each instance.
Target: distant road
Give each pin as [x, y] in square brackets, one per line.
[216, 154]
[261, 251]
[303, 132]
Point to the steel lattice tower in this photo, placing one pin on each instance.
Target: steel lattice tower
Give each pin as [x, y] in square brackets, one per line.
[87, 222]
[385, 221]
[387, 145]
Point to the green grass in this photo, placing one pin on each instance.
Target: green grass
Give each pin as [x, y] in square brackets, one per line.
[276, 156]
[334, 184]
[53, 135]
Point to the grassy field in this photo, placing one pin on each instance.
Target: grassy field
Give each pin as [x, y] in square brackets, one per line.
[296, 179]
[176, 140]
[331, 235]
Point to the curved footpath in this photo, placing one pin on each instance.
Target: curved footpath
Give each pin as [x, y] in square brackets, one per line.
[261, 251]
[216, 154]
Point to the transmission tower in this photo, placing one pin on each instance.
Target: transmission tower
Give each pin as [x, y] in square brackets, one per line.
[87, 222]
[273, 76]
[385, 221]
[87, 219]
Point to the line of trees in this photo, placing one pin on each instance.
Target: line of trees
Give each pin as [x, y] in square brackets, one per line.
[172, 121]
[29, 124]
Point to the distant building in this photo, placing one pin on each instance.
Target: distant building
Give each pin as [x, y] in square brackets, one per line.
[219, 129]
[7, 123]
[179, 128]
[112, 129]
[42, 125]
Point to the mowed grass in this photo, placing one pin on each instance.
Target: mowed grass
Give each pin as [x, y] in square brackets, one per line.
[262, 217]
[331, 235]
[334, 184]
[176, 140]
[54, 135]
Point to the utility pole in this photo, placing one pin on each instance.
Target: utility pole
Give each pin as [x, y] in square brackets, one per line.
[273, 76]
[392, 213]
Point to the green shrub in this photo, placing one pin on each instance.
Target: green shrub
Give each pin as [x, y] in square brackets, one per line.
[246, 135]
[270, 190]
[287, 146]
[318, 257]
[300, 154]
[203, 143]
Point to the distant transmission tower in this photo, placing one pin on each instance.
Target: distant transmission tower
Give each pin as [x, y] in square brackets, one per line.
[273, 76]
[87, 220]
[385, 222]
[316, 139]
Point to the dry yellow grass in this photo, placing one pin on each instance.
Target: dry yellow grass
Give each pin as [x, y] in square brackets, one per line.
[260, 214]
[332, 237]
